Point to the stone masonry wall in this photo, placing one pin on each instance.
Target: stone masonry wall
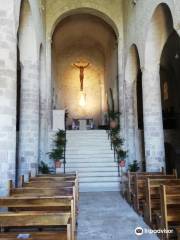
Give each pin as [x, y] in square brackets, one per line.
[7, 95]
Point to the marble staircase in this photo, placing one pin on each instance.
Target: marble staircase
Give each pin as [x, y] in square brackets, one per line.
[89, 153]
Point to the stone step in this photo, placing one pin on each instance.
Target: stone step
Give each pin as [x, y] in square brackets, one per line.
[90, 155]
[71, 159]
[91, 169]
[90, 164]
[78, 132]
[88, 136]
[99, 186]
[90, 148]
[88, 151]
[98, 174]
[84, 143]
[90, 141]
[93, 179]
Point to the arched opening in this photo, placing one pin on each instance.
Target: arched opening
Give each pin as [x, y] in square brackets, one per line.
[170, 98]
[84, 68]
[135, 136]
[160, 28]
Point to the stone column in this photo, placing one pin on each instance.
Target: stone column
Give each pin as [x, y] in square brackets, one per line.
[7, 95]
[29, 118]
[43, 135]
[121, 90]
[153, 125]
[130, 120]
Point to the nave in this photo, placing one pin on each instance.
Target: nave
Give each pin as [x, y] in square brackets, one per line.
[107, 216]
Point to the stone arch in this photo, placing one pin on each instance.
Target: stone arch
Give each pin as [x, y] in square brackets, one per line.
[133, 78]
[160, 27]
[27, 34]
[57, 18]
[170, 99]
[83, 10]
[98, 47]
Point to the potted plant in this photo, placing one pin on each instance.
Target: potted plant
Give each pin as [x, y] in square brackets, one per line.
[113, 119]
[43, 168]
[112, 114]
[133, 167]
[57, 153]
[117, 142]
[121, 156]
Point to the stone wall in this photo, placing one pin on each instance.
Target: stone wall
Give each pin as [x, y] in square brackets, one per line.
[7, 95]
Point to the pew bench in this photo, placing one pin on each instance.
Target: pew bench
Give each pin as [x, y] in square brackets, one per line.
[152, 197]
[169, 216]
[35, 235]
[20, 221]
[138, 192]
[129, 184]
[41, 203]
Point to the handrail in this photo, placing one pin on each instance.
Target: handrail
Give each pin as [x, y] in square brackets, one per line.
[113, 148]
[65, 154]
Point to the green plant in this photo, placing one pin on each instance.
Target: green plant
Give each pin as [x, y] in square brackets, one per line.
[113, 115]
[133, 167]
[57, 153]
[117, 142]
[60, 138]
[121, 154]
[115, 131]
[43, 168]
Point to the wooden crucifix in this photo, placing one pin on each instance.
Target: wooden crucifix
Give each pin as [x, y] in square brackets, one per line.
[81, 73]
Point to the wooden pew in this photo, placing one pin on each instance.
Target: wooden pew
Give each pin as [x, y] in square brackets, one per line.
[64, 191]
[35, 219]
[54, 182]
[68, 177]
[52, 188]
[41, 203]
[129, 185]
[152, 197]
[48, 183]
[75, 173]
[50, 235]
[138, 192]
[170, 207]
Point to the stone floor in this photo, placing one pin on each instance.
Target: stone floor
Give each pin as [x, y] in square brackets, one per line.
[106, 216]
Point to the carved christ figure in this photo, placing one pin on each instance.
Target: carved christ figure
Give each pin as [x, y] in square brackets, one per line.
[81, 73]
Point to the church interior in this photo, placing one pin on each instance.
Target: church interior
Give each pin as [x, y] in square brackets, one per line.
[89, 119]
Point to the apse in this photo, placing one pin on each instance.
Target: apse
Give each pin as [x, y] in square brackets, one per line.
[84, 67]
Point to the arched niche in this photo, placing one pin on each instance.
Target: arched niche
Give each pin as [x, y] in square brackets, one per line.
[84, 37]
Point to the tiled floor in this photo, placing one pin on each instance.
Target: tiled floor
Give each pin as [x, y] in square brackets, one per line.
[106, 216]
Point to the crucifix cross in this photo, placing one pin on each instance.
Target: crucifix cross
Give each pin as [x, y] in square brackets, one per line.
[81, 73]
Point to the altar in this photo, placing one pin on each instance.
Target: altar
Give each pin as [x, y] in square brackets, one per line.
[83, 124]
